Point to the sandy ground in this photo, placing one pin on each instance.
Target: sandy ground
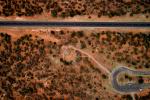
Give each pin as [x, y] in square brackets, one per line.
[48, 29]
[47, 17]
[44, 33]
[17, 32]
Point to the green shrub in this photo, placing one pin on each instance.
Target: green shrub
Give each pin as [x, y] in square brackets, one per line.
[54, 13]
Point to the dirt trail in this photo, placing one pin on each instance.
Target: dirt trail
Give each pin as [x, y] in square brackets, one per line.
[99, 65]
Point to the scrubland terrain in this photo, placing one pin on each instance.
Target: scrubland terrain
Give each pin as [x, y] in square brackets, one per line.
[79, 10]
[43, 64]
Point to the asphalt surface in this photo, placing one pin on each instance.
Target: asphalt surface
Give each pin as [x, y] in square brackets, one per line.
[129, 87]
[75, 24]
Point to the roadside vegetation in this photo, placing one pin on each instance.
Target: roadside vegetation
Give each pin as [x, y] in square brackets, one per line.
[71, 8]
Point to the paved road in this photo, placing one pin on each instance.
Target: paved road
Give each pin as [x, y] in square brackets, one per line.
[75, 24]
[129, 87]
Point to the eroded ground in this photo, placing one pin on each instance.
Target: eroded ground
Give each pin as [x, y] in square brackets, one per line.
[44, 64]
